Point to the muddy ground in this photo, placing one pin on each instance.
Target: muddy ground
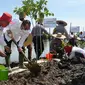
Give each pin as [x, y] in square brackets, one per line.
[52, 73]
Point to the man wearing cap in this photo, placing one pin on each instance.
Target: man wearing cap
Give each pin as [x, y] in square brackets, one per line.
[5, 19]
[18, 32]
[61, 28]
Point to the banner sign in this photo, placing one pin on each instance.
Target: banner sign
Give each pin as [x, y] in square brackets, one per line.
[49, 22]
[75, 29]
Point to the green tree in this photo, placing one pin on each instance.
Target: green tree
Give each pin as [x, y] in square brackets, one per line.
[37, 10]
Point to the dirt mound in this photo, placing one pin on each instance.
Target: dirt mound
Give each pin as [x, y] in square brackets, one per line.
[52, 73]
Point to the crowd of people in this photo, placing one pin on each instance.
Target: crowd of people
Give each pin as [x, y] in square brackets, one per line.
[64, 44]
[18, 32]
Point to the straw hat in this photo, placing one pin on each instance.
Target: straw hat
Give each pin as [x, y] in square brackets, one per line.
[28, 41]
[61, 22]
[59, 35]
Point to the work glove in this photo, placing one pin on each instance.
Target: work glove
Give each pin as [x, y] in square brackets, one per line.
[20, 49]
[2, 54]
[8, 49]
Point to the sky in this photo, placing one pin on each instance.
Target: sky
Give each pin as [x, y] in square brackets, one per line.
[71, 11]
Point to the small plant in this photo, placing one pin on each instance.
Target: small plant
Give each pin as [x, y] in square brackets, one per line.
[37, 10]
[20, 12]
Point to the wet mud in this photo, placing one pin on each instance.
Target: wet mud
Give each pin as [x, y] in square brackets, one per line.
[52, 73]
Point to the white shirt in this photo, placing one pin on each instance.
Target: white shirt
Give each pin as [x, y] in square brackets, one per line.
[81, 36]
[2, 42]
[71, 36]
[76, 49]
[17, 32]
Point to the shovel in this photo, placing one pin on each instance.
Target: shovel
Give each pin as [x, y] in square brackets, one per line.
[32, 65]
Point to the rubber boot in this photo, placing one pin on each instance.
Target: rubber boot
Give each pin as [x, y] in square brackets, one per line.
[29, 55]
[7, 60]
[29, 52]
[21, 60]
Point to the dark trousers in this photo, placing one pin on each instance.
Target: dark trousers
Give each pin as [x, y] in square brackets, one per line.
[7, 59]
[38, 45]
[29, 47]
[77, 54]
[73, 42]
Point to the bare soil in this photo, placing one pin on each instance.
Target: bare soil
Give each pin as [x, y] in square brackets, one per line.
[52, 73]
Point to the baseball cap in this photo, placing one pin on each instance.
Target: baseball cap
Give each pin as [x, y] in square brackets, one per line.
[6, 17]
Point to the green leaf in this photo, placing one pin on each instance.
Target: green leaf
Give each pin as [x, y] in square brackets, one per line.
[36, 9]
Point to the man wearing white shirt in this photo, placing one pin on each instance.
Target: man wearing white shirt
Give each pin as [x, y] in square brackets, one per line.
[20, 31]
[82, 36]
[77, 52]
[5, 20]
[29, 47]
[72, 39]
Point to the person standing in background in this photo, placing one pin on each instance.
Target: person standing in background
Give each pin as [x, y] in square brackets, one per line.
[37, 33]
[60, 28]
[72, 39]
[81, 36]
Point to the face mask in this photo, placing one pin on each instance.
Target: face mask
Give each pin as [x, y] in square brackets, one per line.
[9, 35]
[4, 24]
[23, 28]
